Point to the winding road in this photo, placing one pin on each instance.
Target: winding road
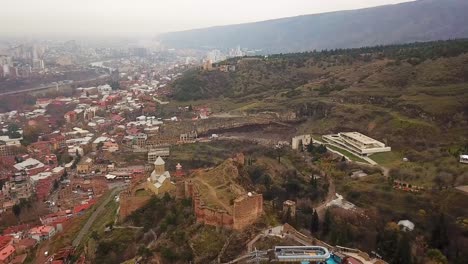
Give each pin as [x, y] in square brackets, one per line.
[92, 218]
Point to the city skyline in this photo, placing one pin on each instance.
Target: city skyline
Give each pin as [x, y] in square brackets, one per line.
[103, 18]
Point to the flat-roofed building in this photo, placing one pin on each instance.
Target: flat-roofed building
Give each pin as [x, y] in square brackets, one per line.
[5, 149]
[357, 143]
[157, 152]
[464, 159]
[84, 166]
[301, 141]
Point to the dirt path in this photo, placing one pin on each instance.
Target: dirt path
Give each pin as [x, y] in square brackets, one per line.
[212, 192]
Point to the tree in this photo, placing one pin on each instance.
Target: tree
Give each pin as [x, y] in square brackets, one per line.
[100, 145]
[279, 152]
[327, 222]
[287, 216]
[313, 182]
[115, 85]
[56, 185]
[322, 149]
[310, 148]
[17, 210]
[144, 252]
[314, 226]
[13, 131]
[387, 241]
[95, 235]
[403, 252]
[436, 256]
[439, 236]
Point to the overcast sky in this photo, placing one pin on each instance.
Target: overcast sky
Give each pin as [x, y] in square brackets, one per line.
[131, 17]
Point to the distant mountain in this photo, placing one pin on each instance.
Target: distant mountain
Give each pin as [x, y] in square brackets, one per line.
[422, 20]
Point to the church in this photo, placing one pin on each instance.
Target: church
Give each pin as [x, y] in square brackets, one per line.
[159, 181]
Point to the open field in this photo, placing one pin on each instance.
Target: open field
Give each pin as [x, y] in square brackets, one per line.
[388, 159]
[346, 153]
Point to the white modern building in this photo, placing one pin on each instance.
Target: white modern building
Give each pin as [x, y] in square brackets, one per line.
[297, 140]
[464, 159]
[357, 143]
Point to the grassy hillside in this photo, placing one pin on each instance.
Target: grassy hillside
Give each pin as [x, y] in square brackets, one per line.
[411, 96]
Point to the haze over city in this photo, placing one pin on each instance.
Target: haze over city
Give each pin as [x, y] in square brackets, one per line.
[27, 18]
[233, 132]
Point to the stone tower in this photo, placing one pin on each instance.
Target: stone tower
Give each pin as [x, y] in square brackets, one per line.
[159, 166]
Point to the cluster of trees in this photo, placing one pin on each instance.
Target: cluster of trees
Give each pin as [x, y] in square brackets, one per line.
[293, 187]
[169, 216]
[394, 245]
[18, 208]
[116, 250]
[13, 131]
[418, 50]
[164, 218]
[316, 151]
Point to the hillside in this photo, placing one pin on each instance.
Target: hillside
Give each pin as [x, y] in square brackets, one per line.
[407, 94]
[423, 20]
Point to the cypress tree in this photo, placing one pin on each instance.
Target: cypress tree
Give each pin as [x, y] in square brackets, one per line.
[327, 221]
[314, 227]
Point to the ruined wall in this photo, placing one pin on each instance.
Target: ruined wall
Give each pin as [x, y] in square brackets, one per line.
[207, 215]
[247, 209]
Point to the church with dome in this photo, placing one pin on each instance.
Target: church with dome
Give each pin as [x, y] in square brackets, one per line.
[159, 182]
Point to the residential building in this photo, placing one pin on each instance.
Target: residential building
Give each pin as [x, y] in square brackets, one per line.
[99, 140]
[140, 140]
[357, 143]
[158, 152]
[110, 146]
[30, 166]
[42, 233]
[84, 166]
[70, 116]
[7, 254]
[5, 149]
[188, 137]
[11, 141]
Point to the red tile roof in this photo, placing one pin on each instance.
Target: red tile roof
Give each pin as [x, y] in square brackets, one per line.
[7, 252]
[4, 241]
[15, 229]
[19, 259]
[26, 243]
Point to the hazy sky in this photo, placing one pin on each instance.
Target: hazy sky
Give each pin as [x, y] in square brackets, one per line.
[122, 17]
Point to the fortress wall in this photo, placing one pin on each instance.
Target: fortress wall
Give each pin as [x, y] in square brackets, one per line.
[247, 210]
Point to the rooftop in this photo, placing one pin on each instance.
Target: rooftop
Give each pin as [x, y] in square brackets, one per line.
[6, 252]
[360, 137]
[159, 161]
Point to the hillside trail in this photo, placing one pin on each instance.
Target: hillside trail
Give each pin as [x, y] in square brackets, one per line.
[214, 195]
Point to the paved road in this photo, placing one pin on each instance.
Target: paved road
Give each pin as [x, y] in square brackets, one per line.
[92, 218]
